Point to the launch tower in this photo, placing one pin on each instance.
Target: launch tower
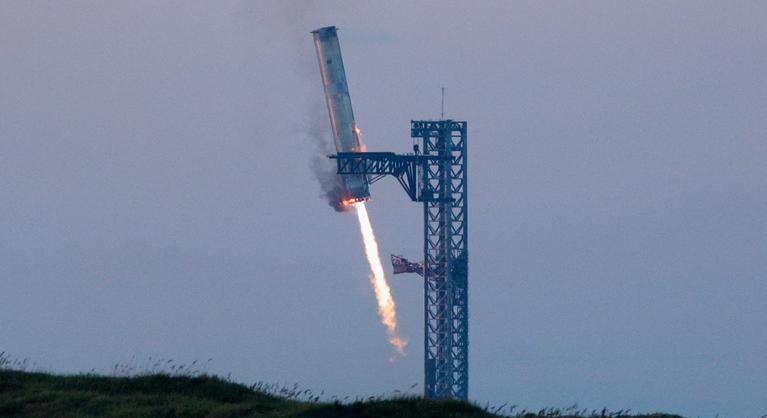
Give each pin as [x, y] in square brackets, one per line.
[434, 174]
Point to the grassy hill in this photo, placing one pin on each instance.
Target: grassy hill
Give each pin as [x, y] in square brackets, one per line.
[25, 394]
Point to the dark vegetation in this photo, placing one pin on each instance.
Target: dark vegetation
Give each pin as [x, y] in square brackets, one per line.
[36, 394]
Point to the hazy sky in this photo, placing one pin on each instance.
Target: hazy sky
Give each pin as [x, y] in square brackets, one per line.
[156, 197]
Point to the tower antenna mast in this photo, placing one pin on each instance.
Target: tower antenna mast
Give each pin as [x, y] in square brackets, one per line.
[442, 112]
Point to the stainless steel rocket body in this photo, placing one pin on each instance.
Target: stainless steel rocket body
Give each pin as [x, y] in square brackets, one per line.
[345, 131]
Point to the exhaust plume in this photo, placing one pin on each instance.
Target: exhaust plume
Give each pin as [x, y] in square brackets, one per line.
[387, 309]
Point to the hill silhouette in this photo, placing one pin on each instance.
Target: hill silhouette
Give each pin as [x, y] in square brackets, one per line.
[27, 394]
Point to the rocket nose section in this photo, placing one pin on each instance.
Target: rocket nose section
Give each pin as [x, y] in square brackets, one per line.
[327, 30]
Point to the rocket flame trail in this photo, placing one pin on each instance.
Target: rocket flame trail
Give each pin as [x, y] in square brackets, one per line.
[387, 310]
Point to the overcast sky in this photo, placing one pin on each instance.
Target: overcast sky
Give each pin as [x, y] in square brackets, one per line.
[156, 197]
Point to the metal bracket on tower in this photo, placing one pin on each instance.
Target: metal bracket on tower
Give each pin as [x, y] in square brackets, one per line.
[376, 165]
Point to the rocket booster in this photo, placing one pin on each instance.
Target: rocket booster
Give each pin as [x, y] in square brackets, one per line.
[345, 131]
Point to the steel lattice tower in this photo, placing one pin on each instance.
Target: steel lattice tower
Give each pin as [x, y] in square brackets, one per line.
[446, 315]
[435, 175]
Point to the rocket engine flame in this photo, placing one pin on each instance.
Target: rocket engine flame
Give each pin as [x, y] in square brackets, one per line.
[387, 309]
